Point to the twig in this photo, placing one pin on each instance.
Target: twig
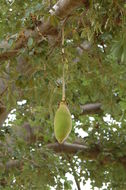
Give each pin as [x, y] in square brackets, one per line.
[74, 173]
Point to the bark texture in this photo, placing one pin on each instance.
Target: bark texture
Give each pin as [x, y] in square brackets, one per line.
[61, 9]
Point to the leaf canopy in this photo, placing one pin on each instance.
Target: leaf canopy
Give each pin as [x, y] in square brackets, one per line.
[31, 70]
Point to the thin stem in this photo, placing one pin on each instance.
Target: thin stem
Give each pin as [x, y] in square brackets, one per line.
[63, 87]
[75, 176]
[63, 60]
[63, 39]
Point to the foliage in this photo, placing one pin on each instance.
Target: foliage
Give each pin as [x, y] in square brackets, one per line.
[97, 74]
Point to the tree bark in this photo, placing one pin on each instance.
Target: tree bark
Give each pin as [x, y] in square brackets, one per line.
[84, 153]
[3, 114]
[87, 153]
[92, 108]
[61, 9]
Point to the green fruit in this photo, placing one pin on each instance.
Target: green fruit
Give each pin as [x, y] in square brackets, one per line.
[62, 123]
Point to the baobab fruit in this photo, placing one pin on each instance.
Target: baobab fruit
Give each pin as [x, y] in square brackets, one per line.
[62, 123]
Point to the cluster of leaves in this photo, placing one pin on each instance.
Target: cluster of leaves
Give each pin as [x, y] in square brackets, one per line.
[95, 74]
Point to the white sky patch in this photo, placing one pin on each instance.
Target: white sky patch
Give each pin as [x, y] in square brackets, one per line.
[81, 132]
[62, 181]
[11, 117]
[10, 2]
[101, 47]
[20, 103]
[91, 119]
[72, 116]
[32, 150]
[110, 121]
[69, 41]
[96, 133]
[78, 123]
[87, 185]
[12, 111]
[114, 129]
[116, 93]
[14, 180]
[90, 129]
[40, 145]
[52, 11]
[71, 177]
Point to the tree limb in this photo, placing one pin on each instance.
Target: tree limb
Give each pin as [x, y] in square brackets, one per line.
[93, 108]
[3, 114]
[66, 147]
[61, 9]
[13, 164]
[87, 153]
[84, 152]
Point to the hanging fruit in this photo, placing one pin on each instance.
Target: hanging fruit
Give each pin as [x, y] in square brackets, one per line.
[62, 123]
[62, 120]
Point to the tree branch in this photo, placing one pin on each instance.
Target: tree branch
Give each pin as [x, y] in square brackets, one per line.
[84, 152]
[66, 147]
[61, 9]
[13, 164]
[74, 172]
[3, 114]
[93, 108]
[87, 153]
